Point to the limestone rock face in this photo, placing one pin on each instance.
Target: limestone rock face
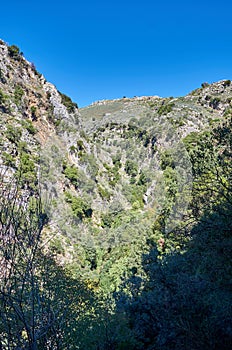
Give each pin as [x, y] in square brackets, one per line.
[30, 108]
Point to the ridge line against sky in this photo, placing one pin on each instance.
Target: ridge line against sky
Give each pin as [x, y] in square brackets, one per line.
[104, 50]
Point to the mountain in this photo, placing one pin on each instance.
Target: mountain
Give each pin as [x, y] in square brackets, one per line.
[118, 180]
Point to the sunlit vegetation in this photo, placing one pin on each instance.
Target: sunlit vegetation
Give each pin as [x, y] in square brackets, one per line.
[87, 259]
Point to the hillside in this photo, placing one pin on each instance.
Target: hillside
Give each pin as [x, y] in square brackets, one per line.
[130, 204]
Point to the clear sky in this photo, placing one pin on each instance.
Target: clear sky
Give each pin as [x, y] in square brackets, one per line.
[93, 50]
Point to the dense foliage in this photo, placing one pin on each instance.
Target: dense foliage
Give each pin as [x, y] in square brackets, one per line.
[184, 300]
[178, 300]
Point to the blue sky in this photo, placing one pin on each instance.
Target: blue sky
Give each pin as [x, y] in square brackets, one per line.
[93, 50]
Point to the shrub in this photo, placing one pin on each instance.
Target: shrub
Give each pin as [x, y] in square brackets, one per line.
[227, 83]
[80, 207]
[28, 125]
[133, 193]
[8, 159]
[27, 171]
[3, 98]
[72, 149]
[22, 146]
[80, 145]
[166, 160]
[18, 94]
[117, 159]
[131, 168]
[68, 103]
[165, 109]
[71, 172]
[214, 102]
[33, 113]
[113, 175]
[204, 85]
[14, 52]
[227, 113]
[143, 179]
[191, 140]
[103, 192]
[13, 133]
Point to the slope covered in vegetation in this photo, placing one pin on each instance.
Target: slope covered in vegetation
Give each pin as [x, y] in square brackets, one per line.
[115, 219]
